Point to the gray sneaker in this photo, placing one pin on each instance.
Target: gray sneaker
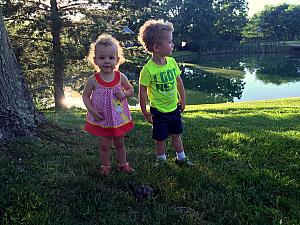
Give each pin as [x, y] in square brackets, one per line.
[184, 162]
[160, 162]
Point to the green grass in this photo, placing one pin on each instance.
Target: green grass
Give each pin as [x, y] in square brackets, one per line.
[247, 172]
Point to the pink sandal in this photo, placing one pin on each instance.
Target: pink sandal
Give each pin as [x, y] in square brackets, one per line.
[126, 168]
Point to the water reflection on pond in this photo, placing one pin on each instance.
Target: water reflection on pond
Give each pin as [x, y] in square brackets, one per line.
[232, 78]
[219, 79]
[257, 89]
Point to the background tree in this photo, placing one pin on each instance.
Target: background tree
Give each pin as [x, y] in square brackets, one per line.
[58, 59]
[36, 27]
[293, 21]
[18, 115]
[192, 21]
[276, 23]
[272, 22]
[230, 18]
[201, 27]
[206, 24]
[43, 26]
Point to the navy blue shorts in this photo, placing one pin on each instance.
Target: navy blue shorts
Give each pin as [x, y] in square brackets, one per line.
[165, 123]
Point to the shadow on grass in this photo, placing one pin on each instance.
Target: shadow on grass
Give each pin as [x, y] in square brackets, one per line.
[247, 172]
[255, 157]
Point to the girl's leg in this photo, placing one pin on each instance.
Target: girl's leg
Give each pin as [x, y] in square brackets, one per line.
[105, 148]
[120, 149]
[121, 155]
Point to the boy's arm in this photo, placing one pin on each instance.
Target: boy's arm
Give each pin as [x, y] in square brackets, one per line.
[143, 103]
[181, 91]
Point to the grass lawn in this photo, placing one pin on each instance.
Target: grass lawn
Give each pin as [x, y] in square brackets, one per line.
[247, 171]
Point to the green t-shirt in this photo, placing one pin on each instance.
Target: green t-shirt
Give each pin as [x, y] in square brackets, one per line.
[161, 84]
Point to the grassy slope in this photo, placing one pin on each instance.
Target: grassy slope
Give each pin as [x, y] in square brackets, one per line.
[247, 172]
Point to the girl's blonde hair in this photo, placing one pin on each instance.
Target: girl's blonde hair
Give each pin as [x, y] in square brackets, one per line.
[152, 32]
[106, 40]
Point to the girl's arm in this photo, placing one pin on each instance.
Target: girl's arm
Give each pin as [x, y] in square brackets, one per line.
[86, 97]
[128, 89]
[181, 91]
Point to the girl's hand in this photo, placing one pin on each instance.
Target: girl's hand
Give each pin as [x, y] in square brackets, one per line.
[148, 117]
[120, 94]
[97, 115]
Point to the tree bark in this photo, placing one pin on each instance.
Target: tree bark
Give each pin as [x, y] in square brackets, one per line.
[58, 58]
[18, 115]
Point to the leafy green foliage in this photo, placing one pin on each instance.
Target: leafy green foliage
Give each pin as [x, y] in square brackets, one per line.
[275, 23]
[208, 27]
[230, 18]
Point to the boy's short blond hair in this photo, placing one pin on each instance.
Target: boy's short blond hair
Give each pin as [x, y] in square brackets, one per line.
[152, 32]
[106, 40]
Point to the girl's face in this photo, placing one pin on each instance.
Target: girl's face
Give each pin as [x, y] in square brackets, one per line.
[165, 47]
[106, 58]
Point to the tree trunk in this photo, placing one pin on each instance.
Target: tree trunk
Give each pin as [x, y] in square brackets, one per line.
[18, 115]
[58, 58]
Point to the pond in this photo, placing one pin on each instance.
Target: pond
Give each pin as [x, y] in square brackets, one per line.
[233, 78]
[236, 78]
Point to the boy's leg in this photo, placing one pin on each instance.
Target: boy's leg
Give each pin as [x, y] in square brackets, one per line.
[181, 159]
[160, 147]
[105, 148]
[177, 142]
[160, 132]
[176, 128]
[178, 146]
[120, 149]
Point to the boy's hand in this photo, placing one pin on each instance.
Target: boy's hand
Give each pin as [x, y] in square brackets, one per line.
[182, 106]
[120, 94]
[148, 117]
[96, 114]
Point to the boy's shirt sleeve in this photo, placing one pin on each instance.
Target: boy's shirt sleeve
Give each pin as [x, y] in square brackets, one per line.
[144, 77]
[178, 71]
[175, 66]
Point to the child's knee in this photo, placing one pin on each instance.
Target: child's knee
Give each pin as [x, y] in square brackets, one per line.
[105, 145]
[119, 146]
[175, 136]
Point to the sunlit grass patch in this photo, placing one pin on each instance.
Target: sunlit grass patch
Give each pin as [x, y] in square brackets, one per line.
[247, 171]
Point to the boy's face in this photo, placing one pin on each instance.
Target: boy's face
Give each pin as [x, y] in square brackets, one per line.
[165, 47]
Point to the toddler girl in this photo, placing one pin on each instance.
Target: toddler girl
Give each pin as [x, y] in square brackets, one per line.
[105, 97]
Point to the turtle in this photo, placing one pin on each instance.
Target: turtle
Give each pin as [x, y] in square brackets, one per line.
[141, 192]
